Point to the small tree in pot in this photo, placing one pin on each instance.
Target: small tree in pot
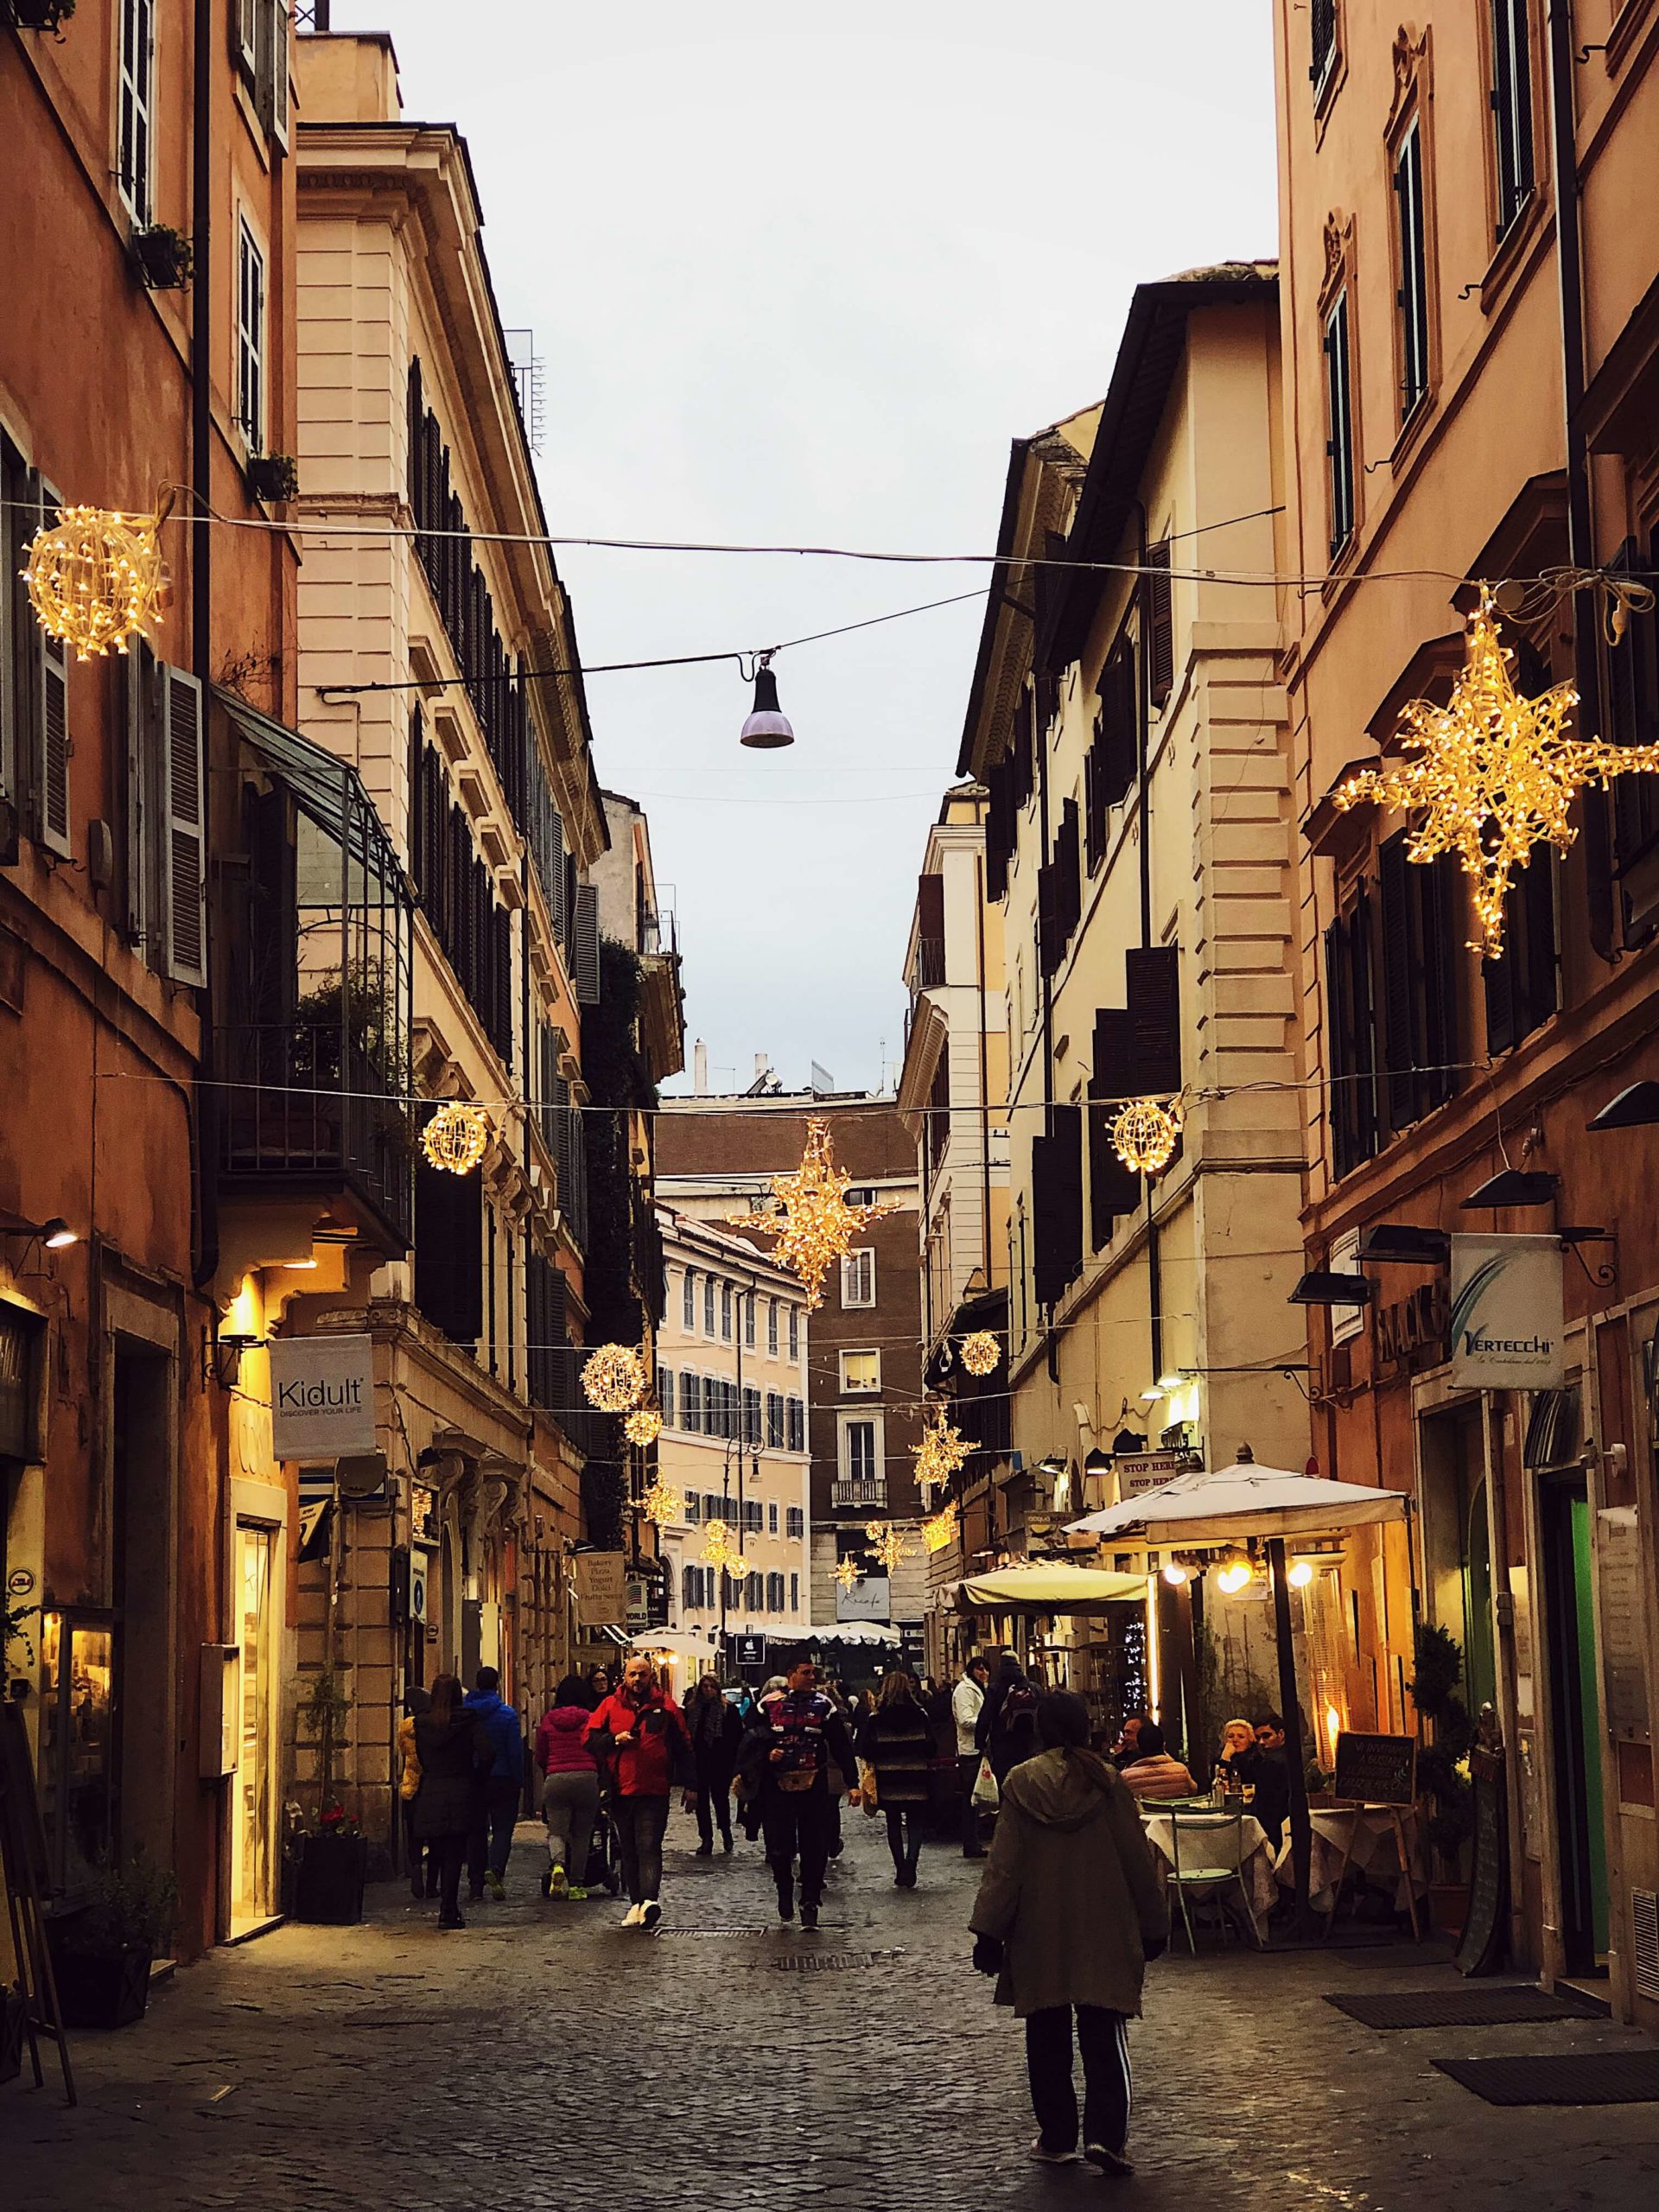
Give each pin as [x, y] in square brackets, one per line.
[102, 1953]
[1442, 1765]
[329, 1863]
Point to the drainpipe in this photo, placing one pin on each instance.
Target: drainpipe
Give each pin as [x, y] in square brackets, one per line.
[984, 1071]
[205, 1258]
[1580, 524]
[1143, 720]
[1041, 741]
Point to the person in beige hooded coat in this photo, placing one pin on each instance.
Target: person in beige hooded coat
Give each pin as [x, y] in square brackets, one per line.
[1068, 1913]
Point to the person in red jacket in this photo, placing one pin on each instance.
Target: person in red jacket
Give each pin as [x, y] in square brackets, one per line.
[642, 1732]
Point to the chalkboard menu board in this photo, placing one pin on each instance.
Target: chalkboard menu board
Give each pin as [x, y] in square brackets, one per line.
[1377, 1770]
[1481, 1950]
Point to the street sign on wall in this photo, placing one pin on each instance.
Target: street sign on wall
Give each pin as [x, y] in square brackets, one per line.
[1142, 1470]
[601, 1581]
[321, 1396]
[1508, 1325]
[868, 1601]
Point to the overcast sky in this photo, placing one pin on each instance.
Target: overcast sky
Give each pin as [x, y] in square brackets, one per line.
[802, 283]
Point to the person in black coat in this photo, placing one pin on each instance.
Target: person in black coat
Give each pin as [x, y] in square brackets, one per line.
[1007, 1729]
[455, 1755]
[715, 1731]
[897, 1741]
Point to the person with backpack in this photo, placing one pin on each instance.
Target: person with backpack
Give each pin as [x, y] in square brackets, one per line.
[1069, 1912]
[455, 1753]
[1006, 1728]
[641, 1730]
[569, 1786]
[490, 1845]
[785, 1759]
[897, 1742]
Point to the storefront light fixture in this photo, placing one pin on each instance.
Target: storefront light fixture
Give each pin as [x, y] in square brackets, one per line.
[54, 1232]
[1514, 1187]
[1300, 1573]
[1177, 1573]
[1324, 1286]
[1403, 1243]
[1635, 1107]
[1235, 1573]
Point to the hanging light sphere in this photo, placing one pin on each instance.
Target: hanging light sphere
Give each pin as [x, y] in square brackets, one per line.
[613, 1378]
[768, 726]
[456, 1137]
[96, 577]
[1144, 1136]
[642, 1426]
[717, 1543]
[980, 1352]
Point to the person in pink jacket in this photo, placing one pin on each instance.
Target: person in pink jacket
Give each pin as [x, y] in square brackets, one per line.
[570, 1788]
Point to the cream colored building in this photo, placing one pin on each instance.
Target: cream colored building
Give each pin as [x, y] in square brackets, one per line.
[1142, 837]
[731, 1381]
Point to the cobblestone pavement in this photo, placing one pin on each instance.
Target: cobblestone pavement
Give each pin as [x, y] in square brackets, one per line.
[547, 2056]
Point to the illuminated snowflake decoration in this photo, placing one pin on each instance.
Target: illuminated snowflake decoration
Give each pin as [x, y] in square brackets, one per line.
[887, 1542]
[850, 1574]
[941, 1452]
[456, 1137]
[813, 1224]
[662, 1504]
[613, 1378]
[1493, 774]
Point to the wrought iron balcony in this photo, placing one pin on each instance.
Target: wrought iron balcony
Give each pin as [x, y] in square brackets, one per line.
[860, 1491]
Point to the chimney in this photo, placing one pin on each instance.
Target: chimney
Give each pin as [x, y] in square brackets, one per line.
[762, 1065]
[700, 1070]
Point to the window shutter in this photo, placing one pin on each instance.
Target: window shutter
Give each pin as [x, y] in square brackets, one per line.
[1153, 975]
[1113, 1189]
[1056, 1205]
[185, 843]
[247, 36]
[1402, 982]
[1160, 623]
[275, 105]
[53, 809]
[448, 1254]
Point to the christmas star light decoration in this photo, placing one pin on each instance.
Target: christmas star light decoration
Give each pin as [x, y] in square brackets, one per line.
[850, 1574]
[979, 1352]
[613, 1378]
[1494, 774]
[457, 1138]
[718, 1549]
[1144, 1135]
[642, 1426]
[662, 1504]
[814, 1224]
[886, 1541]
[942, 1450]
[96, 577]
[940, 1527]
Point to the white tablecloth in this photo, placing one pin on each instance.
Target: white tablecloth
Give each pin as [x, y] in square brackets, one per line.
[1255, 1852]
[1375, 1852]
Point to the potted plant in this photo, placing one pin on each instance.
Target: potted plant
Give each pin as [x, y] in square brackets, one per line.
[1442, 1772]
[102, 1951]
[12, 2014]
[164, 258]
[327, 1864]
[273, 477]
[40, 14]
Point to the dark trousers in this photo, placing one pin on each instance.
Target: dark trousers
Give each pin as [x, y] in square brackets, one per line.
[490, 1844]
[968, 1768]
[422, 1862]
[448, 1854]
[1102, 2038]
[714, 1806]
[800, 1824]
[640, 1824]
[904, 1836]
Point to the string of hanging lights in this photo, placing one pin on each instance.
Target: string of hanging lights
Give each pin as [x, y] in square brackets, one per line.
[614, 1379]
[813, 1224]
[457, 1137]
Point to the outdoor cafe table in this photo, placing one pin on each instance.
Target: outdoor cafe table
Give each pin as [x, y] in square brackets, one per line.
[1365, 1836]
[1255, 1852]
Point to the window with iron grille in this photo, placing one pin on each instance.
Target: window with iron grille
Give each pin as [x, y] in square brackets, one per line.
[1511, 99]
[1412, 296]
[1339, 423]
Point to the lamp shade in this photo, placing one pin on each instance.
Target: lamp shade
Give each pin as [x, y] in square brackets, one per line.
[1633, 1109]
[1514, 1187]
[768, 726]
[1324, 1286]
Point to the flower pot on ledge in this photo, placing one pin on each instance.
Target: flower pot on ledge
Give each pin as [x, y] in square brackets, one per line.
[39, 14]
[163, 257]
[272, 478]
[99, 1989]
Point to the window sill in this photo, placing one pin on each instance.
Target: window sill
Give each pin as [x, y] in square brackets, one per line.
[1412, 429]
[1343, 563]
[1325, 91]
[1512, 249]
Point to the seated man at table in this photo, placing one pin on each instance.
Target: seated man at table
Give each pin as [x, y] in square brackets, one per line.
[1124, 1752]
[1270, 1773]
[1153, 1774]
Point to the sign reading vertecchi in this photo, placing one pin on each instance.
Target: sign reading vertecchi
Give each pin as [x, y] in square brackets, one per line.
[1508, 1325]
[321, 1396]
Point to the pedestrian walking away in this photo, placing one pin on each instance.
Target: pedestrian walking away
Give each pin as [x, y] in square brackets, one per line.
[423, 1880]
[1006, 1728]
[897, 1740]
[786, 1758]
[715, 1731]
[642, 1732]
[966, 1700]
[570, 1788]
[490, 1846]
[746, 1785]
[1068, 1913]
[455, 1754]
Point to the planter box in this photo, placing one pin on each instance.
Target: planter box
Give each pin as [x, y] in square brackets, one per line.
[11, 2035]
[326, 1878]
[99, 1989]
[1448, 1908]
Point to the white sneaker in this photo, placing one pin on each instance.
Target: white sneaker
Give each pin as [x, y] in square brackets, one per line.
[634, 1916]
[1109, 2161]
[1050, 2157]
[651, 1916]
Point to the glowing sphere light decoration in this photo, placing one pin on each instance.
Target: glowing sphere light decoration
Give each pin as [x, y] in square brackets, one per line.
[642, 1426]
[457, 1138]
[614, 1379]
[980, 1352]
[1144, 1135]
[96, 578]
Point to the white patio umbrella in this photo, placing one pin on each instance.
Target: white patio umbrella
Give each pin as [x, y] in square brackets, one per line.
[1228, 1505]
[1040, 1586]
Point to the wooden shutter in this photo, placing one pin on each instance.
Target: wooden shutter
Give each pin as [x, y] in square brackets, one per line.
[1113, 1189]
[1068, 863]
[274, 106]
[1402, 983]
[185, 844]
[585, 950]
[448, 1252]
[1153, 979]
[1159, 615]
[52, 754]
[929, 906]
[246, 36]
[1056, 1205]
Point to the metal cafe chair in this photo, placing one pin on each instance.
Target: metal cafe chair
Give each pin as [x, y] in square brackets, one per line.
[1206, 1856]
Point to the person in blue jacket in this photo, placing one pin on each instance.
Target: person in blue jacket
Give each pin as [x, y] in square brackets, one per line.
[496, 1807]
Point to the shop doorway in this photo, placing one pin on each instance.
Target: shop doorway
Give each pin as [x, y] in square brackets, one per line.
[252, 1840]
[1457, 1544]
[145, 1551]
[1575, 1704]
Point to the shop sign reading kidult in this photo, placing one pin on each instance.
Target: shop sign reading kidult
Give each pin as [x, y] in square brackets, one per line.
[321, 1396]
[1507, 1324]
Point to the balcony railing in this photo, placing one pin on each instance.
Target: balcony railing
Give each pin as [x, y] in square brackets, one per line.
[862, 1490]
[299, 1108]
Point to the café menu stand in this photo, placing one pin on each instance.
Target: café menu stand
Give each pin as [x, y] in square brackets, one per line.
[23, 1867]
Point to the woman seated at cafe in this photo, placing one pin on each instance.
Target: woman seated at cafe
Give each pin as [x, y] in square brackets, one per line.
[1154, 1774]
[1236, 1758]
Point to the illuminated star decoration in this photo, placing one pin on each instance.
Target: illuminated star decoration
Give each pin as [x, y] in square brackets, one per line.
[662, 1504]
[1495, 774]
[849, 1573]
[886, 1541]
[942, 1450]
[815, 1224]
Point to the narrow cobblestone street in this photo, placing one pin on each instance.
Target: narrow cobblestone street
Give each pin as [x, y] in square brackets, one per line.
[547, 2055]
